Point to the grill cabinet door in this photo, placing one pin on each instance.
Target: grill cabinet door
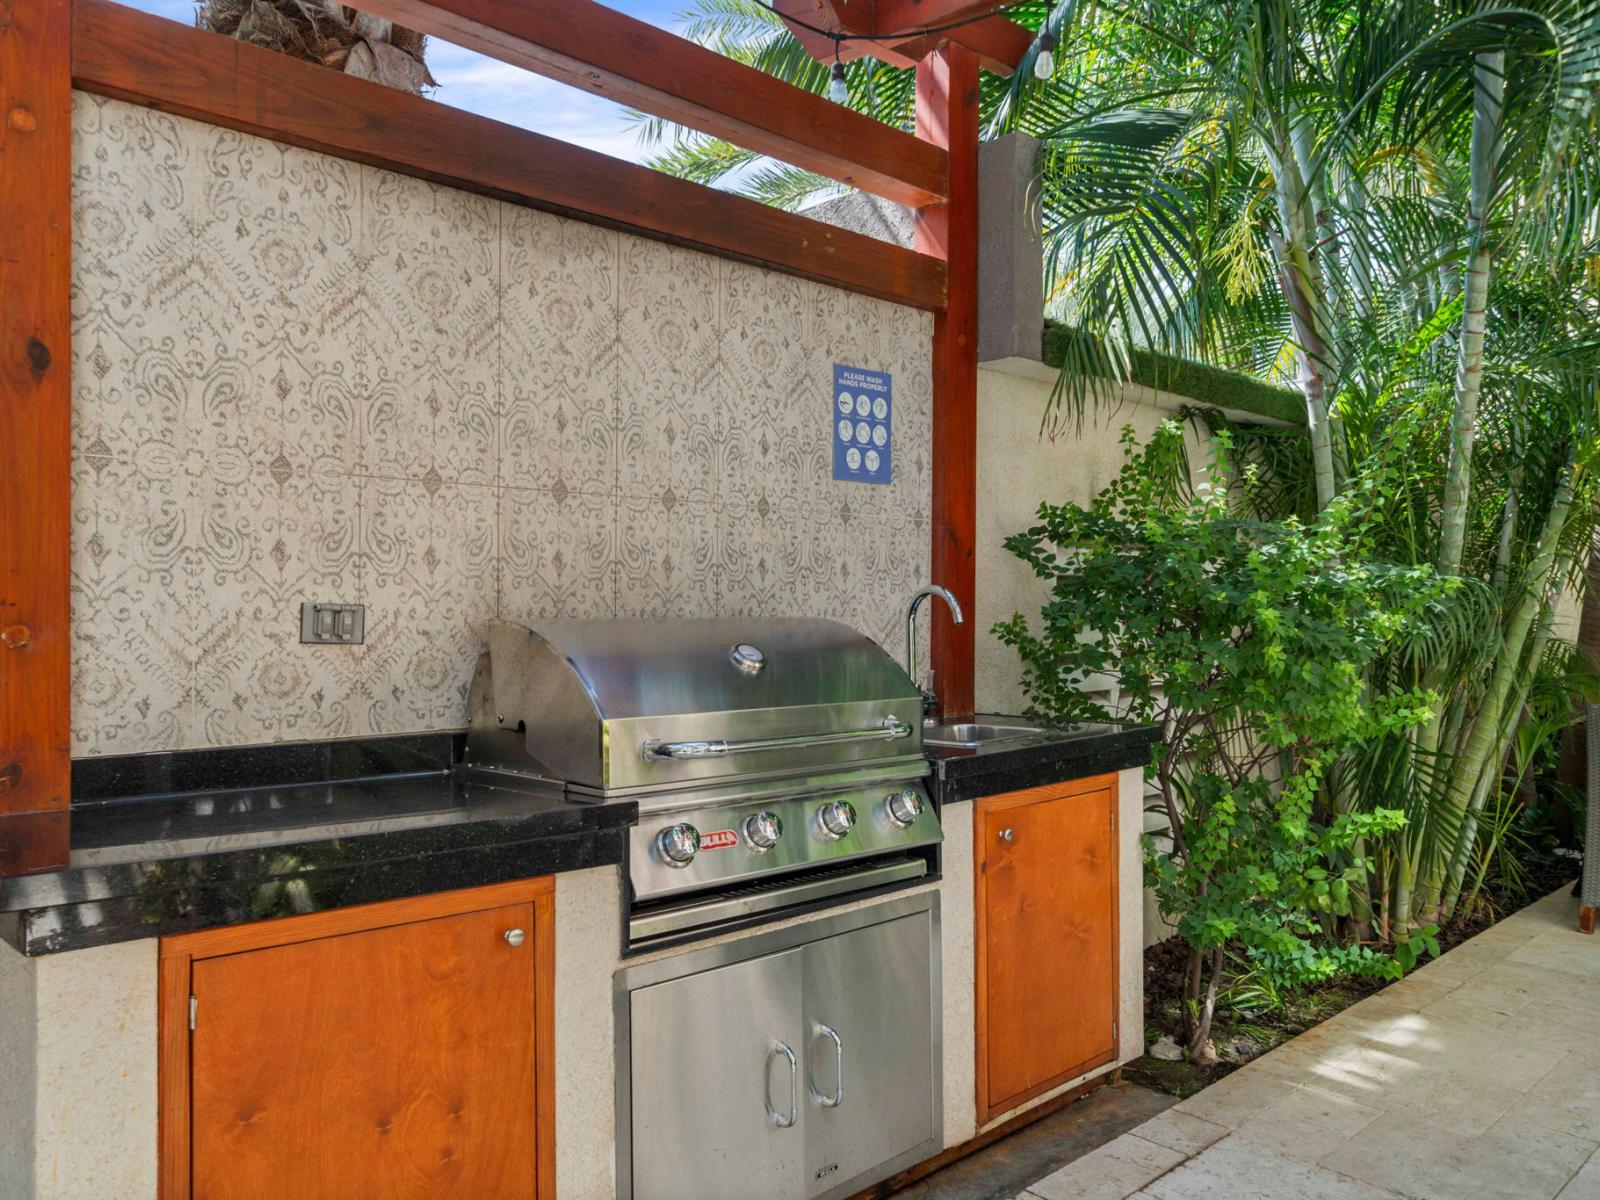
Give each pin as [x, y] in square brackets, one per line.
[708, 1076]
[873, 989]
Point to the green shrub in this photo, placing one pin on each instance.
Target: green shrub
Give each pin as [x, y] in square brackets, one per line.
[1247, 641]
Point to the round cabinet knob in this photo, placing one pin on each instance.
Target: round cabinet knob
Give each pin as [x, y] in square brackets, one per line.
[904, 807]
[762, 831]
[515, 937]
[837, 818]
[1008, 835]
[678, 844]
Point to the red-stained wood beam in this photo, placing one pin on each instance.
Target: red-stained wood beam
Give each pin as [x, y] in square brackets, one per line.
[947, 115]
[35, 433]
[998, 43]
[890, 16]
[118, 51]
[600, 50]
[853, 19]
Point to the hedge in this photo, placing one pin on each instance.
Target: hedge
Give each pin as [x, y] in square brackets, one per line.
[1205, 385]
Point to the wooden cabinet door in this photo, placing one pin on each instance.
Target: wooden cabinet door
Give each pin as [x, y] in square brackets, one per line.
[395, 1062]
[1046, 938]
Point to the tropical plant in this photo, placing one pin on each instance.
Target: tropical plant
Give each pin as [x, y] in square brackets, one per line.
[334, 35]
[1393, 205]
[1247, 641]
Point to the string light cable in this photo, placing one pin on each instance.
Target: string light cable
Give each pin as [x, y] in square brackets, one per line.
[1044, 62]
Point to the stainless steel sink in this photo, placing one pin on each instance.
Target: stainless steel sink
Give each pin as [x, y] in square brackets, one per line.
[967, 734]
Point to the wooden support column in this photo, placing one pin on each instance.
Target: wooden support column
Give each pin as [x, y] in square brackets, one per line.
[35, 430]
[947, 116]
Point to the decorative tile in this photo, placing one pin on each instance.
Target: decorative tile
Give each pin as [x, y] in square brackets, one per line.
[430, 273]
[559, 353]
[672, 387]
[557, 555]
[271, 304]
[778, 406]
[667, 563]
[297, 378]
[428, 576]
[131, 655]
[767, 562]
[132, 255]
[263, 543]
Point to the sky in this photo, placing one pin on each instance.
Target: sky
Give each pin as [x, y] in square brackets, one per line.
[492, 89]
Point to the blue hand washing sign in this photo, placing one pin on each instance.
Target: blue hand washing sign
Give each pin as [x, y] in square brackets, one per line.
[862, 415]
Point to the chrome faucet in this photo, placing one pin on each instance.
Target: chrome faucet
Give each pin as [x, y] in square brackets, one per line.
[929, 700]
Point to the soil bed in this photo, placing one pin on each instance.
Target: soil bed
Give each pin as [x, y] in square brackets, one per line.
[1241, 1034]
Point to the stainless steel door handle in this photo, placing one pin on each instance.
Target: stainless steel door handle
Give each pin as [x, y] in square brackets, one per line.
[838, 1061]
[778, 1119]
[1008, 835]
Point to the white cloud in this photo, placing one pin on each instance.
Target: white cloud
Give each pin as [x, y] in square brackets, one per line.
[494, 89]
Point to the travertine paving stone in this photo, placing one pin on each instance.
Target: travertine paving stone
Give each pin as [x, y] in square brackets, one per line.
[1476, 1078]
[1585, 1184]
[1182, 1132]
[1109, 1173]
[1231, 1170]
[1306, 1124]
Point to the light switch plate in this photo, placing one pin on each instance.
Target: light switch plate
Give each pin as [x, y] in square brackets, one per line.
[333, 624]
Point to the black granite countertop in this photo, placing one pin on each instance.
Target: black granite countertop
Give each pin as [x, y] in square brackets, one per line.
[176, 861]
[171, 843]
[1053, 756]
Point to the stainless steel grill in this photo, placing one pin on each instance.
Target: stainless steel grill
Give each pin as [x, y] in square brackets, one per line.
[770, 751]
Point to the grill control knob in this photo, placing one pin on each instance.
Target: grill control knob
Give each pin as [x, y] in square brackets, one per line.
[836, 818]
[678, 844]
[762, 831]
[903, 807]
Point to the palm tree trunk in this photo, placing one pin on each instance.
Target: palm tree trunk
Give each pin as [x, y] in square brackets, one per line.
[1302, 290]
[1488, 105]
[1486, 741]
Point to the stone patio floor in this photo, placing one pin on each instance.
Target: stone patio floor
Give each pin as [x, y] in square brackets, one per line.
[1476, 1077]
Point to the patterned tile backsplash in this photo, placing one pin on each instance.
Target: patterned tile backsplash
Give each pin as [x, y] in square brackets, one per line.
[300, 378]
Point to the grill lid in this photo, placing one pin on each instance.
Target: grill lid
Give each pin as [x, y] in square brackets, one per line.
[617, 705]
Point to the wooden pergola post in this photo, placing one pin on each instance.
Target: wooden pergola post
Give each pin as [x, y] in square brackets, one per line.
[947, 116]
[35, 432]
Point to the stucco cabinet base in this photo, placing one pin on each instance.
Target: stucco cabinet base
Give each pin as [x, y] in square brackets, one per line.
[78, 1074]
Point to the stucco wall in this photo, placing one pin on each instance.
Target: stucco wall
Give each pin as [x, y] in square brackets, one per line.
[301, 378]
[78, 1074]
[1020, 466]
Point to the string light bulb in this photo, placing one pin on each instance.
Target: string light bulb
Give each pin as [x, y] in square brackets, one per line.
[838, 89]
[1044, 63]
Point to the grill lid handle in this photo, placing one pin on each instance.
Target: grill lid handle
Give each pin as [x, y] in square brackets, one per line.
[892, 730]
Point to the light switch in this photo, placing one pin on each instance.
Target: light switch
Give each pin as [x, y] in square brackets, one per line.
[333, 624]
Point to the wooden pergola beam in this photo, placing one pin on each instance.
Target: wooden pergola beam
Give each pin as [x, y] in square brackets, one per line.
[998, 43]
[134, 56]
[609, 54]
[947, 115]
[35, 434]
[889, 15]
